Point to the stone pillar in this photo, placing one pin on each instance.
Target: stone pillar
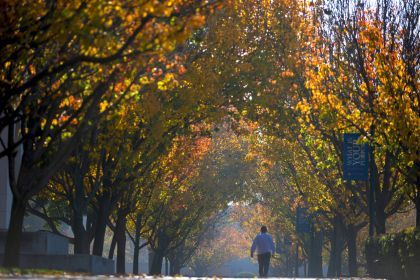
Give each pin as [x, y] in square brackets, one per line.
[5, 192]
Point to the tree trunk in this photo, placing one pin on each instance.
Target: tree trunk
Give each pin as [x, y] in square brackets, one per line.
[380, 214]
[338, 259]
[98, 244]
[81, 238]
[156, 266]
[166, 266]
[417, 203]
[14, 234]
[81, 242]
[383, 195]
[352, 250]
[380, 196]
[418, 212]
[338, 262]
[136, 258]
[315, 255]
[373, 186]
[112, 247]
[334, 266]
[331, 262]
[121, 241]
[297, 260]
[137, 245]
[159, 252]
[174, 265]
[289, 266]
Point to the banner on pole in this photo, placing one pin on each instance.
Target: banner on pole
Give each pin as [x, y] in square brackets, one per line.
[355, 158]
[302, 221]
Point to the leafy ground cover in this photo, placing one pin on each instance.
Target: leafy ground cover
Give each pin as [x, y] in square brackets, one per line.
[60, 275]
[36, 273]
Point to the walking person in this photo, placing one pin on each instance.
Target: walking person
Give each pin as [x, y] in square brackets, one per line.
[264, 245]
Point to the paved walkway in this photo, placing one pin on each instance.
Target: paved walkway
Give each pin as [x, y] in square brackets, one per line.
[77, 277]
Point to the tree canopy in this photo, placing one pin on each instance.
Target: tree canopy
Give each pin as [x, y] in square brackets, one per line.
[154, 118]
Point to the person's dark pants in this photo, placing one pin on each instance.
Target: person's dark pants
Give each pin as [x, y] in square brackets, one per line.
[264, 264]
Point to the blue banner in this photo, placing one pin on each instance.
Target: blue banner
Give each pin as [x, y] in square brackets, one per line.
[302, 221]
[355, 158]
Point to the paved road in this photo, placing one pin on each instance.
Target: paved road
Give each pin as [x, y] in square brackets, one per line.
[80, 277]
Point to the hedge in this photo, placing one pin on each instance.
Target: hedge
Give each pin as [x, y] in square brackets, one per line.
[394, 256]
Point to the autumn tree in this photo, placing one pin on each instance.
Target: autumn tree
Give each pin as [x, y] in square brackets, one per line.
[59, 62]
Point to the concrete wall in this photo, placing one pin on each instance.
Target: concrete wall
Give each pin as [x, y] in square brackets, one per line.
[40, 242]
[46, 250]
[74, 263]
[143, 267]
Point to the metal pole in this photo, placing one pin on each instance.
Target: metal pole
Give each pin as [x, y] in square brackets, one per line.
[371, 209]
[297, 260]
[371, 194]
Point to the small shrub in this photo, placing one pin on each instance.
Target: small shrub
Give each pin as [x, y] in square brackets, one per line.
[394, 256]
[246, 275]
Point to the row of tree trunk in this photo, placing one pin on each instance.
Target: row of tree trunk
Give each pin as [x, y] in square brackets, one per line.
[339, 238]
